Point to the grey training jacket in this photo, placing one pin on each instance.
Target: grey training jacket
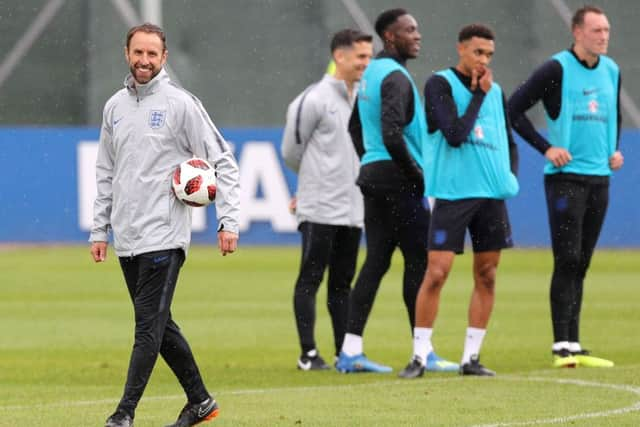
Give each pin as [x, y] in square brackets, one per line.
[148, 130]
[317, 146]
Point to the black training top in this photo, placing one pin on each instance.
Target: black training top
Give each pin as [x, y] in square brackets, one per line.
[442, 113]
[544, 84]
[401, 173]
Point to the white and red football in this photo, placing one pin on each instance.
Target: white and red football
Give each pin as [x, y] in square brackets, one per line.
[194, 182]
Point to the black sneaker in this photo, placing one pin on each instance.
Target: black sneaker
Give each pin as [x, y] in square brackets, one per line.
[196, 413]
[119, 419]
[312, 363]
[414, 369]
[475, 368]
[563, 358]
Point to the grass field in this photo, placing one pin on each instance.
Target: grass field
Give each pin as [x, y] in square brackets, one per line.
[66, 332]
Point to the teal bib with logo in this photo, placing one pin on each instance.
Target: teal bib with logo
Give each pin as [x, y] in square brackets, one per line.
[480, 167]
[369, 107]
[587, 125]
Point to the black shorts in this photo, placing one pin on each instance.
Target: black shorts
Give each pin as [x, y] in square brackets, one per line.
[487, 220]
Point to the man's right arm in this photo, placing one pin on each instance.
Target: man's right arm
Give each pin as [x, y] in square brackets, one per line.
[543, 84]
[443, 114]
[104, 196]
[302, 119]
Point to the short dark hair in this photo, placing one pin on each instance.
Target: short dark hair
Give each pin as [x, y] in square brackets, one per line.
[347, 37]
[386, 18]
[475, 30]
[150, 29]
[578, 17]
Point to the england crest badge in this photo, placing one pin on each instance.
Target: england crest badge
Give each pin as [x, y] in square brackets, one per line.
[478, 132]
[156, 118]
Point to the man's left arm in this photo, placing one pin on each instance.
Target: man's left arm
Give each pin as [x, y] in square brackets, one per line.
[617, 159]
[514, 159]
[397, 110]
[206, 141]
[355, 130]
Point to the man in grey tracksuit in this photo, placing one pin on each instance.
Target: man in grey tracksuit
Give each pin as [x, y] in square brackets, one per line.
[148, 129]
[328, 205]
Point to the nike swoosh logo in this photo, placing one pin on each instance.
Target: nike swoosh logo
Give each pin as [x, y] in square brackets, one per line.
[586, 92]
[115, 122]
[202, 412]
[160, 259]
[305, 366]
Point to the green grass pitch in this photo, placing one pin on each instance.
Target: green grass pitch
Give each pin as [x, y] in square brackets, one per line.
[67, 326]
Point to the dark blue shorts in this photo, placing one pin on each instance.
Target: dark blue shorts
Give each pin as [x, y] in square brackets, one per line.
[486, 219]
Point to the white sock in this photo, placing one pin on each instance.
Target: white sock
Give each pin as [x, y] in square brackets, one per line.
[560, 345]
[472, 343]
[422, 343]
[575, 347]
[312, 353]
[352, 345]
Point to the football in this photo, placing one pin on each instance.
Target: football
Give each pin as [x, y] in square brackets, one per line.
[194, 182]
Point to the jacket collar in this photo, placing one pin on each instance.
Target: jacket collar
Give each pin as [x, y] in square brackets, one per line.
[341, 87]
[142, 90]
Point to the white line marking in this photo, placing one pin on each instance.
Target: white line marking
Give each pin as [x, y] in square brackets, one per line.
[218, 393]
[557, 420]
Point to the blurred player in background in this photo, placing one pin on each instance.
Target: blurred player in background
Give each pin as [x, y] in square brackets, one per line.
[580, 91]
[470, 159]
[317, 146]
[149, 127]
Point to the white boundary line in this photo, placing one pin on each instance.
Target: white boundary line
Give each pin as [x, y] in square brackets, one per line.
[581, 383]
[218, 393]
[556, 420]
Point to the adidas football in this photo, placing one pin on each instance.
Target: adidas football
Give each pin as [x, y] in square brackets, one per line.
[194, 182]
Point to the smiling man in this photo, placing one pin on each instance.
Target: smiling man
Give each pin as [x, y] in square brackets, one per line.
[580, 91]
[317, 146]
[470, 159]
[149, 127]
[388, 130]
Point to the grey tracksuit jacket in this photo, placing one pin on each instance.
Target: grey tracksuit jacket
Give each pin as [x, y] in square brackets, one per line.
[317, 146]
[148, 130]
